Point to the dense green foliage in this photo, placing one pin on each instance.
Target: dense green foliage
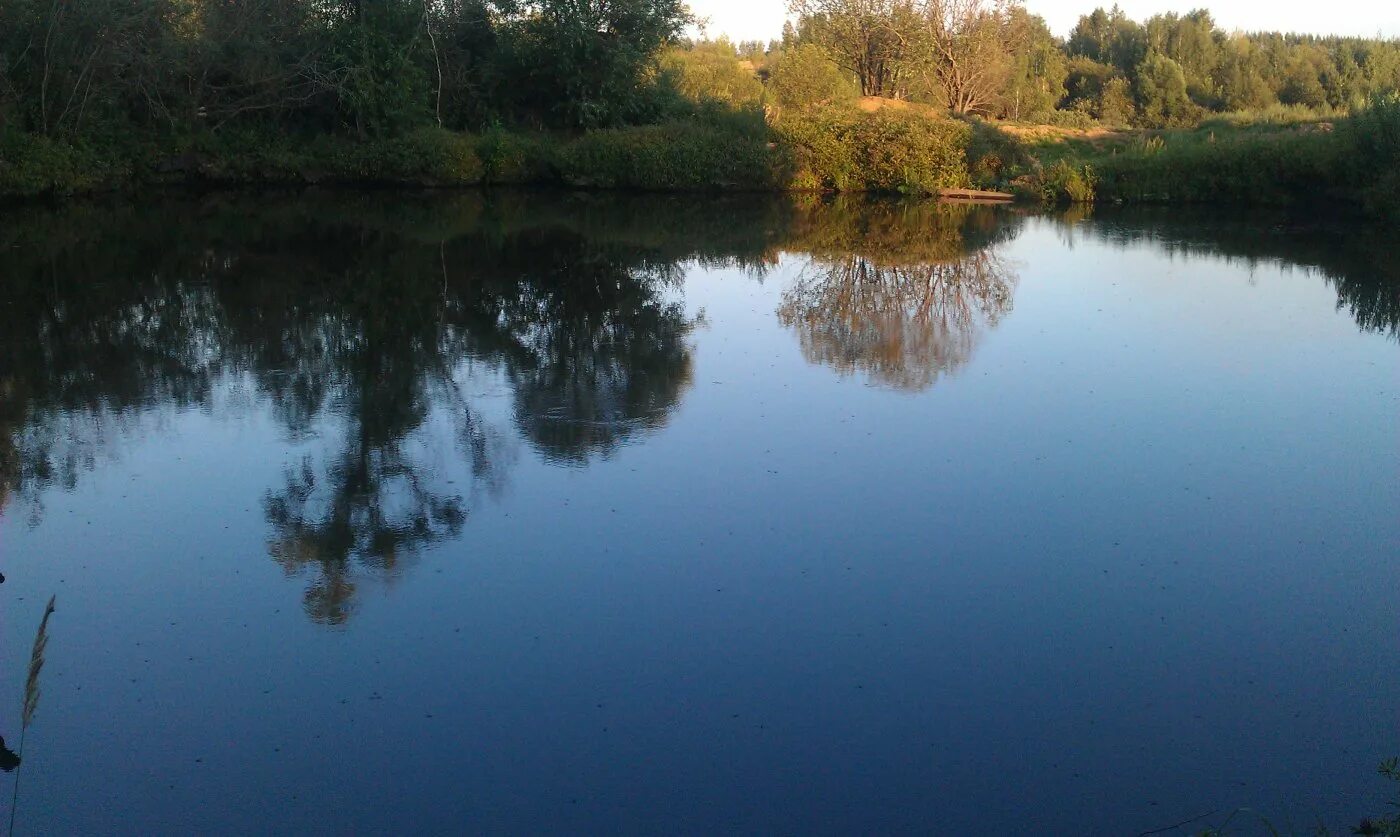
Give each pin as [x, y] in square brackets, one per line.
[805, 75]
[1180, 67]
[996, 60]
[888, 150]
[108, 67]
[710, 72]
[673, 156]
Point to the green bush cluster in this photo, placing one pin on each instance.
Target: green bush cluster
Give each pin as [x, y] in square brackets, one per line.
[994, 157]
[682, 155]
[1074, 119]
[512, 157]
[1265, 169]
[1059, 184]
[845, 150]
[423, 157]
[32, 165]
[806, 76]
[1270, 116]
[1354, 164]
[711, 72]
[1369, 153]
[426, 156]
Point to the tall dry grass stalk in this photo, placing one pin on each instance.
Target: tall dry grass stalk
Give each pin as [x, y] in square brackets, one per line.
[31, 698]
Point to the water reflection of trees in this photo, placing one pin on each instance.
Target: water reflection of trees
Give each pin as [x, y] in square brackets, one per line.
[365, 327]
[356, 328]
[1354, 259]
[903, 293]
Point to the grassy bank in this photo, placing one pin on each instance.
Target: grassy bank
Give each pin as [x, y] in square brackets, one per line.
[1353, 162]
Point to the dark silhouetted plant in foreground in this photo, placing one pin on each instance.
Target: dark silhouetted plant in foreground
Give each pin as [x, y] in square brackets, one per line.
[31, 699]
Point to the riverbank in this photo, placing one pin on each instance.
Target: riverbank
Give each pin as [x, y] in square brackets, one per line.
[1353, 162]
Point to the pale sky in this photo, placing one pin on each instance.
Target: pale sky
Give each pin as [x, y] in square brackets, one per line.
[763, 19]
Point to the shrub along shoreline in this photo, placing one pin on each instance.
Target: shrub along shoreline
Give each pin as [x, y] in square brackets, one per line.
[1355, 162]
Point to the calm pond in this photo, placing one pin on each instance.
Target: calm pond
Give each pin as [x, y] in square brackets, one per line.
[516, 513]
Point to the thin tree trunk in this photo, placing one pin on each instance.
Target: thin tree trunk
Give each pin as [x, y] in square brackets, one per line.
[437, 59]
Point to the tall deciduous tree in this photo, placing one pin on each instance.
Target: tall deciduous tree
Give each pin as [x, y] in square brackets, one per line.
[966, 46]
[805, 75]
[1038, 67]
[582, 63]
[1161, 92]
[869, 38]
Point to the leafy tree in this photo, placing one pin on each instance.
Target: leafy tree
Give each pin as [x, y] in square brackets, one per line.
[1301, 84]
[867, 38]
[380, 86]
[1038, 67]
[805, 75]
[67, 66]
[585, 63]
[1116, 105]
[1240, 77]
[1193, 42]
[1381, 67]
[1109, 37]
[711, 72]
[1161, 93]
[1084, 81]
[965, 47]
[469, 63]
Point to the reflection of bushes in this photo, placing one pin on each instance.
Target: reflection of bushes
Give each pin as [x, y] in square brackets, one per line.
[895, 231]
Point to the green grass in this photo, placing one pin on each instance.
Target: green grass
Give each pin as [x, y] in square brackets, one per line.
[1278, 157]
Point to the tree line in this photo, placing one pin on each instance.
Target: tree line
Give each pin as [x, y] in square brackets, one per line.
[107, 68]
[69, 68]
[994, 58]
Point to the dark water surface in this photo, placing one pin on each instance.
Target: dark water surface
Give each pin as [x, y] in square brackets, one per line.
[564, 513]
